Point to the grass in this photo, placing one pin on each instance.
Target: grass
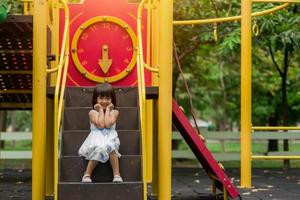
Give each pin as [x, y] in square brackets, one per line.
[19, 145]
[258, 147]
[234, 147]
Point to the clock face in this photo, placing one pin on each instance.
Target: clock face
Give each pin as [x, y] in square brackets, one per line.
[104, 49]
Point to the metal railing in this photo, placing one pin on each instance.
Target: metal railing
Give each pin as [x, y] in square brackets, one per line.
[275, 128]
[141, 82]
[142, 93]
[62, 69]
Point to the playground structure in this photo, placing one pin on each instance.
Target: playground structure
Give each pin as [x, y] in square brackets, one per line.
[152, 44]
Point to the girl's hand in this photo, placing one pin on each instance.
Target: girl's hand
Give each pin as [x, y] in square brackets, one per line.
[98, 107]
[110, 106]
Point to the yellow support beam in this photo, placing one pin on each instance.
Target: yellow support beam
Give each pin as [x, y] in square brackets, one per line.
[49, 149]
[155, 82]
[27, 7]
[229, 19]
[264, 128]
[149, 104]
[165, 99]
[54, 40]
[39, 99]
[255, 157]
[276, 1]
[246, 96]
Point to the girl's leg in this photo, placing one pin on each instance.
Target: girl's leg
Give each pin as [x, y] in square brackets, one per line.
[90, 167]
[114, 161]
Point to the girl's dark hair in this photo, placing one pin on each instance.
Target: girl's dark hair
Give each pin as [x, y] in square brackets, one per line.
[104, 90]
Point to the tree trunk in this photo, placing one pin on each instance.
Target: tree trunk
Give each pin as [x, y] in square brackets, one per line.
[273, 144]
[224, 122]
[175, 79]
[284, 102]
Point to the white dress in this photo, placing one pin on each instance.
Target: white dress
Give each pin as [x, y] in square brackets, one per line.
[100, 143]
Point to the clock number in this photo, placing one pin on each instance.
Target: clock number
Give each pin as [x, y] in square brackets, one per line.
[125, 36]
[93, 28]
[126, 60]
[116, 28]
[128, 48]
[93, 72]
[118, 70]
[84, 62]
[80, 50]
[84, 36]
[106, 25]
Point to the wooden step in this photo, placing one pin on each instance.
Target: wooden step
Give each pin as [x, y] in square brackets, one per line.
[76, 118]
[72, 140]
[100, 191]
[126, 97]
[73, 167]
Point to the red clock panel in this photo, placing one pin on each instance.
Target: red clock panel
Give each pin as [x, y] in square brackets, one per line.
[103, 43]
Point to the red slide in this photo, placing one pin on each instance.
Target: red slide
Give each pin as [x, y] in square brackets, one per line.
[198, 147]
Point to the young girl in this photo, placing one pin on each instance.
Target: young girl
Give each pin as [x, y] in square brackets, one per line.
[102, 144]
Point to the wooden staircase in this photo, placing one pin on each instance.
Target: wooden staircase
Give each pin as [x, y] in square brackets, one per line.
[76, 128]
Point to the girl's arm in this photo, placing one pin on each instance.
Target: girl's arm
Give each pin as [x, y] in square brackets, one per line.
[110, 116]
[97, 118]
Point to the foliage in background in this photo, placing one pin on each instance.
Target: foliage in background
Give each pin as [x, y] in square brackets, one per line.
[14, 6]
[212, 68]
[19, 120]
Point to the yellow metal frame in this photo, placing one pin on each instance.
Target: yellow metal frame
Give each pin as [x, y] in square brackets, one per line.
[229, 19]
[273, 128]
[27, 7]
[246, 62]
[142, 99]
[140, 45]
[155, 82]
[258, 157]
[165, 99]
[39, 99]
[59, 91]
[87, 24]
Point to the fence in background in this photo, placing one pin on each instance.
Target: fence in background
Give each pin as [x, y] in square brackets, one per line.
[17, 136]
[211, 137]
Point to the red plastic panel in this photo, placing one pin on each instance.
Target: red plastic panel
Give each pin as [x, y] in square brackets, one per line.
[90, 47]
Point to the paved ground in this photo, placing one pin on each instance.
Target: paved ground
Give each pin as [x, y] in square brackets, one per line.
[188, 184]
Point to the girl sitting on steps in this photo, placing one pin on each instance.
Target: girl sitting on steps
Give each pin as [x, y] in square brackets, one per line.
[102, 144]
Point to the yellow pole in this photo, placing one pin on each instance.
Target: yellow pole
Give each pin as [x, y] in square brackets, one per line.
[165, 100]
[155, 41]
[39, 99]
[155, 61]
[149, 138]
[55, 40]
[50, 142]
[154, 186]
[246, 62]
[149, 108]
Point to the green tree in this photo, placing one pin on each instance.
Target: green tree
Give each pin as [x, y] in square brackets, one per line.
[280, 40]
